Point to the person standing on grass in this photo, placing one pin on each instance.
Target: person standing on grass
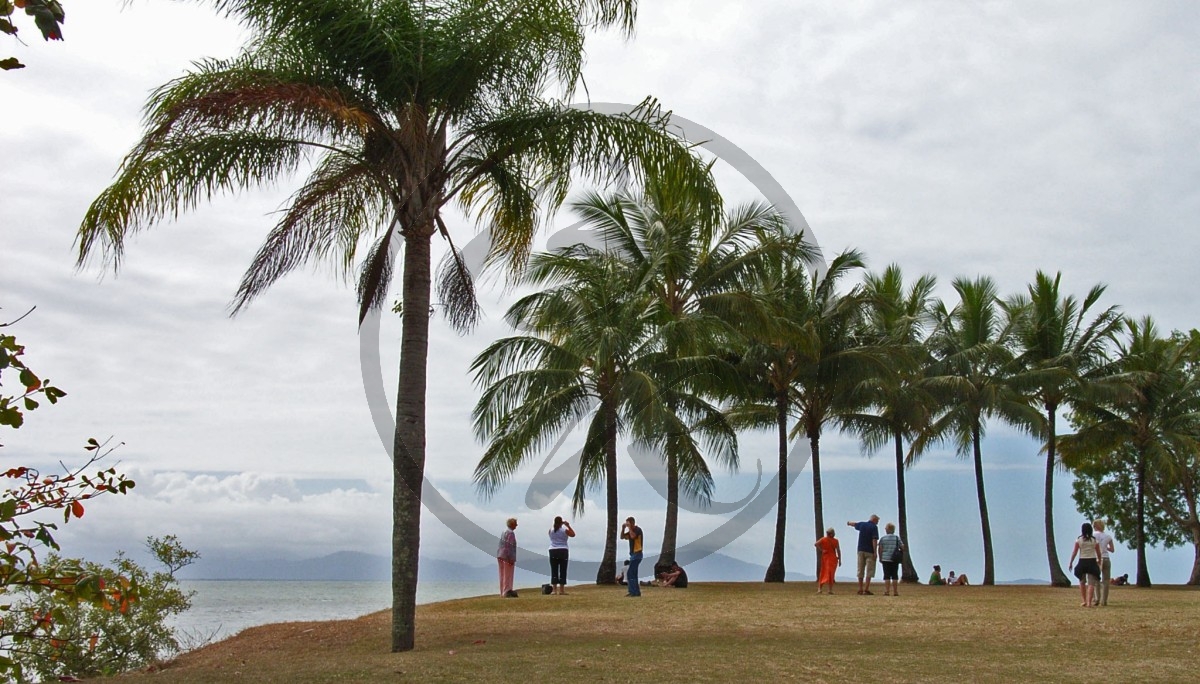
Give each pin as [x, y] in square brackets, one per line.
[830, 554]
[1088, 570]
[506, 558]
[559, 554]
[1106, 547]
[890, 548]
[633, 533]
[868, 551]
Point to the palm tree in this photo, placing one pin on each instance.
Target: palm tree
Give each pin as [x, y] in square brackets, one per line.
[767, 364]
[401, 107]
[833, 359]
[587, 335]
[801, 364]
[1059, 347]
[696, 271]
[898, 406]
[1151, 408]
[970, 381]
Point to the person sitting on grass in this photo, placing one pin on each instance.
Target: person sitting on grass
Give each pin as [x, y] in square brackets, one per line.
[959, 581]
[674, 577]
[621, 576]
[1122, 580]
[935, 579]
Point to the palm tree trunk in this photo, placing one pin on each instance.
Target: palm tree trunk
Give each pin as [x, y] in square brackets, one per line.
[607, 574]
[1194, 580]
[909, 571]
[1058, 578]
[408, 448]
[1143, 571]
[989, 562]
[776, 571]
[814, 444]
[671, 528]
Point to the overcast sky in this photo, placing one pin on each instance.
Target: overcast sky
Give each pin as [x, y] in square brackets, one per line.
[956, 139]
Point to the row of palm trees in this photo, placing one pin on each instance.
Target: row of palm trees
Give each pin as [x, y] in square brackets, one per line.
[396, 109]
[675, 330]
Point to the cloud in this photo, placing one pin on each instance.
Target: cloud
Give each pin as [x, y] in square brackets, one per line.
[250, 513]
[952, 138]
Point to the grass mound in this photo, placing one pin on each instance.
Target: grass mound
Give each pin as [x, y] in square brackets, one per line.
[723, 632]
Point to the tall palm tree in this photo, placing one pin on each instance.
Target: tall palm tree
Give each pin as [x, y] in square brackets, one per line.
[970, 381]
[832, 357]
[1060, 347]
[898, 407]
[803, 364]
[587, 334]
[400, 107]
[1151, 408]
[768, 365]
[697, 272]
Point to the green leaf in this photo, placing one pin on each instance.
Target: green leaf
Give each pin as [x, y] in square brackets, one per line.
[10, 64]
[8, 510]
[30, 404]
[29, 380]
[11, 417]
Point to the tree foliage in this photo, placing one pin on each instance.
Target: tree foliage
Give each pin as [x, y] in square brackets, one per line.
[47, 15]
[92, 641]
[24, 534]
[1136, 456]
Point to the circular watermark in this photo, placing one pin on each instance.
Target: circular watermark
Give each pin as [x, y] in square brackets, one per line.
[549, 483]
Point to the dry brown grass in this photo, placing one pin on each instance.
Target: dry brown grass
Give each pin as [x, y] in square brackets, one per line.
[723, 632]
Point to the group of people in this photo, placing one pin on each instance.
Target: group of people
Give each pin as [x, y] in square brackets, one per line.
[1094, 570]
[506, 558]
[887, 551]
[950, 580]
[1093, 548]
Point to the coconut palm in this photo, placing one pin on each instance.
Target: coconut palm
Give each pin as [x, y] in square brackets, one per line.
[970, 382]
[1151, 408]
[1060, 347]
[697, 272]
[897, 406]
[803, 364]
[586, 335]
[398, 107]
[833, 359]
[593, 346]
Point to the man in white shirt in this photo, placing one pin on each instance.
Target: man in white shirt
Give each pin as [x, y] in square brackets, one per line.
[1105, 541]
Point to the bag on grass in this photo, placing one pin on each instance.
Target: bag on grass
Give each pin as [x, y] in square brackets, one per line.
[547, 589]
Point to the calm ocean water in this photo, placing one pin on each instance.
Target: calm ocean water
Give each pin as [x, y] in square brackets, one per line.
[222, 608]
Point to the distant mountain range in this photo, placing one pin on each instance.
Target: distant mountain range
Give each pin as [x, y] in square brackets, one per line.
[355, 566]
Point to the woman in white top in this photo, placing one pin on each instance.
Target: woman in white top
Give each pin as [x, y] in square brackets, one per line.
[1088, 570]
[559, 554]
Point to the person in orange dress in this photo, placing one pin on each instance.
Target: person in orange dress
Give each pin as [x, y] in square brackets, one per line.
[830, 554]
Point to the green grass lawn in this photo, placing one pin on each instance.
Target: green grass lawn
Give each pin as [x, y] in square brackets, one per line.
[735, 631]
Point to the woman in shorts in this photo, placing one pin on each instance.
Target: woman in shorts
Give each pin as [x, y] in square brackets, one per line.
[1088, 569]
[890, 548]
